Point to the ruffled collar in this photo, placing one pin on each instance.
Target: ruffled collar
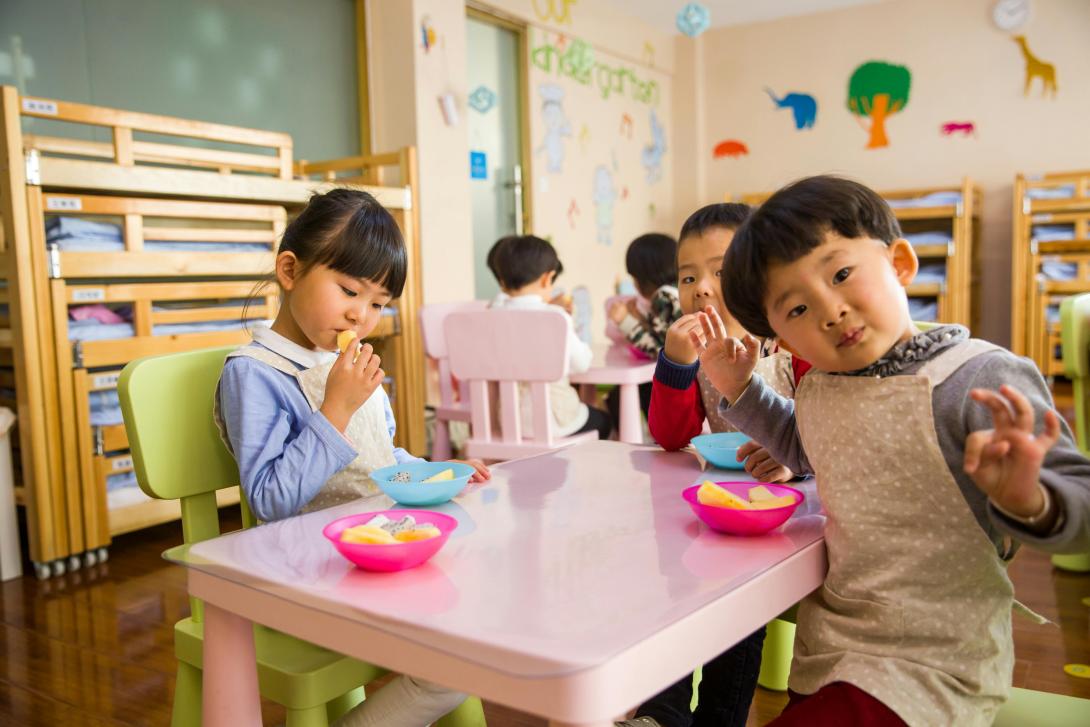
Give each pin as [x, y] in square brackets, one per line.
[916, 350]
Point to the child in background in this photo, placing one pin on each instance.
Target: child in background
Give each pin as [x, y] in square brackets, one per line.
[526, 268]
[308, 426]
[932, 451]
[681, 398]
[651, 260]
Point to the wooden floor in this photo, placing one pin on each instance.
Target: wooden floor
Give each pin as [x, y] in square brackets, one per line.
[94, 647]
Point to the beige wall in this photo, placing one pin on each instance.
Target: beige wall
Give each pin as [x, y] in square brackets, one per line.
[406, 83]
[405, 87]
[963, 68]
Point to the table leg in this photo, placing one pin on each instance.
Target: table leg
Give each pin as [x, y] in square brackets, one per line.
[229, 681]
[631, 428]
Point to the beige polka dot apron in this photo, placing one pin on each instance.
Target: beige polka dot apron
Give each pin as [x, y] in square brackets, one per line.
[916, 607]
[775, 369]
[366, 431]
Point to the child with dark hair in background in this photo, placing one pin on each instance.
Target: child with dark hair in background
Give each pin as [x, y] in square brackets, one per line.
[526, 267]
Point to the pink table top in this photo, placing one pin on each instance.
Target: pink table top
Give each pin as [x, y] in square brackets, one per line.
[615, 364]
[560, 563]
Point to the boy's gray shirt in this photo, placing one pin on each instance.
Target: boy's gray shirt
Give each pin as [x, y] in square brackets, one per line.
[770, 419]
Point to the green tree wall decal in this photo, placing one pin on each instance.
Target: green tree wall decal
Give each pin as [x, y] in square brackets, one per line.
[878, 90]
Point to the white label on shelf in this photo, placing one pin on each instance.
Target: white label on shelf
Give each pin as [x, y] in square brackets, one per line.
[1042, 218]
[121, 463]
[67, 204]
[38, 106]
[104, 381]
[87, 295]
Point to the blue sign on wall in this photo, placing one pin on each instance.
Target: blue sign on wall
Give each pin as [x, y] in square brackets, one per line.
[478, 165]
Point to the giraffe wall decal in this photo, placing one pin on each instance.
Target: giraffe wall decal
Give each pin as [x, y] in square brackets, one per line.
[1035, 68]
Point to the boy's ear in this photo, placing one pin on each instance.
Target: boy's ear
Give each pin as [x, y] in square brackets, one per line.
[546, 279]
[287, 270]
[905, 262]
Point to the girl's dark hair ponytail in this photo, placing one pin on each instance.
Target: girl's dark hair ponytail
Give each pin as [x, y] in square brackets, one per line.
[349, 231]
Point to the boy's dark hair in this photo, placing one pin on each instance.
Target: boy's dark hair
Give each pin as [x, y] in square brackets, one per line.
[651, 260]
[730, 215]
[349, 231]
[493, 251]
[789, 225]
[517, 261]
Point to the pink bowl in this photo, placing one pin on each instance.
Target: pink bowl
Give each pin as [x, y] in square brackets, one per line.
[743, 522]
[389, 558]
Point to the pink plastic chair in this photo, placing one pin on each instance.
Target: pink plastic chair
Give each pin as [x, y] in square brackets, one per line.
[449, 410]
[508, 348]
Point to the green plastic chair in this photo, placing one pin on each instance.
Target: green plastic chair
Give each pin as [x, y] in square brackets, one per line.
[178, 455]
[1075, 340]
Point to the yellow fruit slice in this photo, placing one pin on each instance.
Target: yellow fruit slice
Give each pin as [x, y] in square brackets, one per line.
[760, 492]
[716, 496]
[424, 532]
[442, 476]
[344, 340]
[781, 501]
[367, 535]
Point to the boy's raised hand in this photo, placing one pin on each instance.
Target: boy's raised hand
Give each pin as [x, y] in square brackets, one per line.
[679, 346]
[352, 380]
[1005, 461]
[727, 362]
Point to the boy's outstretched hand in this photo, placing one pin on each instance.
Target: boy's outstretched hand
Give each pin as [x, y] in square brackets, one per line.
[481, 474]
[727, 362]
[1005, 462]
[760, 464]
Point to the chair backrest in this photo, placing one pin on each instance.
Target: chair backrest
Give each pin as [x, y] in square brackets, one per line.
[509, 348]
[1075, 342]
[432, 318]
[613, 333]
[176, 448]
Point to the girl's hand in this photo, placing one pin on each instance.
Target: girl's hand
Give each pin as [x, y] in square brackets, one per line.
[351, 383]
[679, 346]
[1005, 462]
[727, 362]
[481, 475]
[617, 312]
[760, 464]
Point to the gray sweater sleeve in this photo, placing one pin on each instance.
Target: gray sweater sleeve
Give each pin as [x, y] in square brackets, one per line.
[769, 419]
[1065, 471]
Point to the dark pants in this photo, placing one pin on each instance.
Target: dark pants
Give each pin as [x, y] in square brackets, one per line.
[726, 690]
[597, 420]
[836, 705]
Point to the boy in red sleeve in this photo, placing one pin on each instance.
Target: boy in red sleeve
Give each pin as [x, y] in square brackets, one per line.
[680, 393]
[681, 399]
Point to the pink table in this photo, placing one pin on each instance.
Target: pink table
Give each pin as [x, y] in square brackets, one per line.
[577, 585]
[615, 364]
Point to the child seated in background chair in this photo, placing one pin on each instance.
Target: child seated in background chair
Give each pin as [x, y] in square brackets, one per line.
[933, 453]
[526, 268]
[651, 260]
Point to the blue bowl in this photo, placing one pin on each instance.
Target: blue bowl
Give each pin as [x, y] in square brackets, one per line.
[418, 493]
[721, 449]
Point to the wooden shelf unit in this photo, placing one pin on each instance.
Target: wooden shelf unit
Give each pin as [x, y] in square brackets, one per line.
[193, 191]
[1041, 218]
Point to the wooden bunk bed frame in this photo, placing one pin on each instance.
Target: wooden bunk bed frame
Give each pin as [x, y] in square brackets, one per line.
[958, 301]
[1032, 293]
[155, 191]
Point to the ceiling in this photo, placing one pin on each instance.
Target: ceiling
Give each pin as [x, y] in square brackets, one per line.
[662, 13]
